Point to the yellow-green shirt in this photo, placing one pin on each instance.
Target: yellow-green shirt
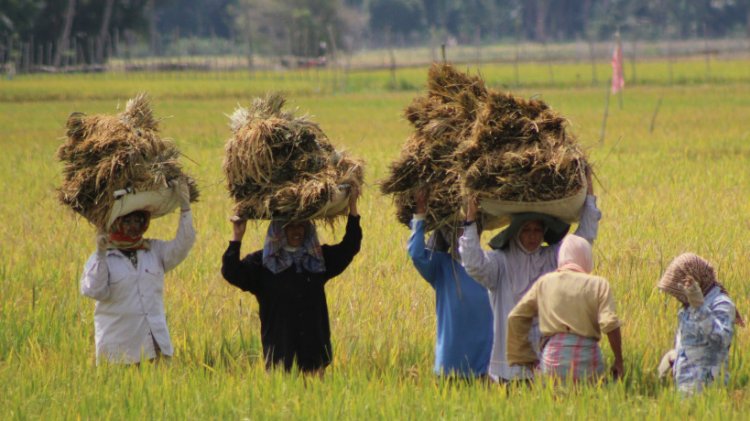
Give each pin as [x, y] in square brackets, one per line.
[565, 302]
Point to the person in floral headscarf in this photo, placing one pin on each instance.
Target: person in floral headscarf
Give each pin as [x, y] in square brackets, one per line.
[705, 324]
[126, 278]
[288, 278]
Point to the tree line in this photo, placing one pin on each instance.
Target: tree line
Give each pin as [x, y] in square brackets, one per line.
[309, 28]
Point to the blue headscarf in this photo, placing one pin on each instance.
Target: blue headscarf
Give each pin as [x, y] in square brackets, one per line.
[277, 258]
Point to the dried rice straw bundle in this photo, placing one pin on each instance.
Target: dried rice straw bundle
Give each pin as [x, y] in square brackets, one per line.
[442, 120]
[284, 168]
[104, 154]
[520, 151]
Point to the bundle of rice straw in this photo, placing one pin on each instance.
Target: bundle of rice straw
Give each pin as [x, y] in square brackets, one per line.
[284, 168]
[442, 120]
[104, 154]
[520, 151]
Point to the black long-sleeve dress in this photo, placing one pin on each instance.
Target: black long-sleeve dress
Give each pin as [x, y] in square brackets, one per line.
[293, 310]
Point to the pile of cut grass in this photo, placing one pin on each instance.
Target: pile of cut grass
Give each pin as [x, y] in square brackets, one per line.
[103, 154]
[442, 120]
[282, 167]
[471, 140]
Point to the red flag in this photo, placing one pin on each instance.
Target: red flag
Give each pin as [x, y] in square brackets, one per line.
[618, 80]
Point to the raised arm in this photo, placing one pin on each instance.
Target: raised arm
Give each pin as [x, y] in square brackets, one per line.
[420, 256]
[175, 251]
[485, 268]
[95, 278]
[712, 322]
[588, 227]
[243, 274]
[519, 349]
[339, 256]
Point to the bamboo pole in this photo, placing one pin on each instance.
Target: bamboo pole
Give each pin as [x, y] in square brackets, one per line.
[606, 114]
[653, 116]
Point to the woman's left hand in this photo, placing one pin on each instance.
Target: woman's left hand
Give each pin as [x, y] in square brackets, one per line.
[589, 181]
[353, 198]
[183, 193]
[617, 370]
[692, 292]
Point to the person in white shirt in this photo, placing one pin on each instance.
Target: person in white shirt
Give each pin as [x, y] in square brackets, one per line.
[517, 259]
[126, 278]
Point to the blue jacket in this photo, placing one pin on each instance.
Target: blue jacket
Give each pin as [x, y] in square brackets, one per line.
[464, 317]
[703, 338]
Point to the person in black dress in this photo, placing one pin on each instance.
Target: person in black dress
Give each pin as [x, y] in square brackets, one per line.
[288, 278]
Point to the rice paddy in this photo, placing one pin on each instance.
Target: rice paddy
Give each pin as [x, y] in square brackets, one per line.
[666, 183]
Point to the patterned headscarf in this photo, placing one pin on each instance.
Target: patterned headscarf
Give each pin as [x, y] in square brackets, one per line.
[121, 241]
[689, 264]
[575, 254]
[277, 257]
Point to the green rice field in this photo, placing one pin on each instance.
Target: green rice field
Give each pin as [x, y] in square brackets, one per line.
[674, 181]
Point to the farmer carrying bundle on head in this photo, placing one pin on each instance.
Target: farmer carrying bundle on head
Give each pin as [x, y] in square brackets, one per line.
[119, 174]
[517, 259]
[705, 324]
[464, 317]
[126, 278]
[284, 169]
[288, 278]
[574, 308]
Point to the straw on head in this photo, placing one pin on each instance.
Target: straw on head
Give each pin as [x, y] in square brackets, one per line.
[279, 166]
[104, 153]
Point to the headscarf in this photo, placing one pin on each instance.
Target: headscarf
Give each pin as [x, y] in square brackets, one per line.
[524, 267]
[689, 264]
[554, 229]
[277, 256]
[445, 240]
[121, 241]
[575, 254]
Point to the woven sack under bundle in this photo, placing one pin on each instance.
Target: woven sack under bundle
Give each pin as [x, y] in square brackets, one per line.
[283, 167]
[521, 158]
[114, 165]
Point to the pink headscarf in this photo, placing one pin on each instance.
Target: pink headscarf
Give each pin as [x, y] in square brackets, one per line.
[575, 254]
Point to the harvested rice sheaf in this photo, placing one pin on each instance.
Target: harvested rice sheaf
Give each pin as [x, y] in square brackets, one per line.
[520, 150]
[103, 154]
[442, 120]
[283, 167]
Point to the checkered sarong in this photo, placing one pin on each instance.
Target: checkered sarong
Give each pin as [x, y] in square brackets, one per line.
[572, 357]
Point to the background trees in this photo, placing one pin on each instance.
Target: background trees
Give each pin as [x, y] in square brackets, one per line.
[299, 27]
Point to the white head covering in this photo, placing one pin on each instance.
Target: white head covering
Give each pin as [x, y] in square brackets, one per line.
[525, 266]
[575, 254]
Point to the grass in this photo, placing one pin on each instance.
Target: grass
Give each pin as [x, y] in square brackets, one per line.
[683, 187]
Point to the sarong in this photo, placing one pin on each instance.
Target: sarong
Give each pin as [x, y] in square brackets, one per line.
[571, 357]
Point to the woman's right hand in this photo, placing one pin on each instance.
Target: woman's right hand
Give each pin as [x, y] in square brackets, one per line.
[102, 242]
[420, 200]
[472, 208]
[239, 225]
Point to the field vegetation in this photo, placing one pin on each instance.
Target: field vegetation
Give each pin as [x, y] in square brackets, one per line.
[685, 186]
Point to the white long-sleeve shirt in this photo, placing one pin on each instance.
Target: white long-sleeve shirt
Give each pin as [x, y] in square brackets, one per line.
[129, 315]
[508, 274]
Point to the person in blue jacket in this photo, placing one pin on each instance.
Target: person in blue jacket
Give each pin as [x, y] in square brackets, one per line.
[464, 317]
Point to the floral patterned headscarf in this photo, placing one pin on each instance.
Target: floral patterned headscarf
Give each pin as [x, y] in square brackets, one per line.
[277, 257]
[689, 264]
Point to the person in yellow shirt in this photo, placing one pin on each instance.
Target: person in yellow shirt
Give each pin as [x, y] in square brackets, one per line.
[574, 309]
